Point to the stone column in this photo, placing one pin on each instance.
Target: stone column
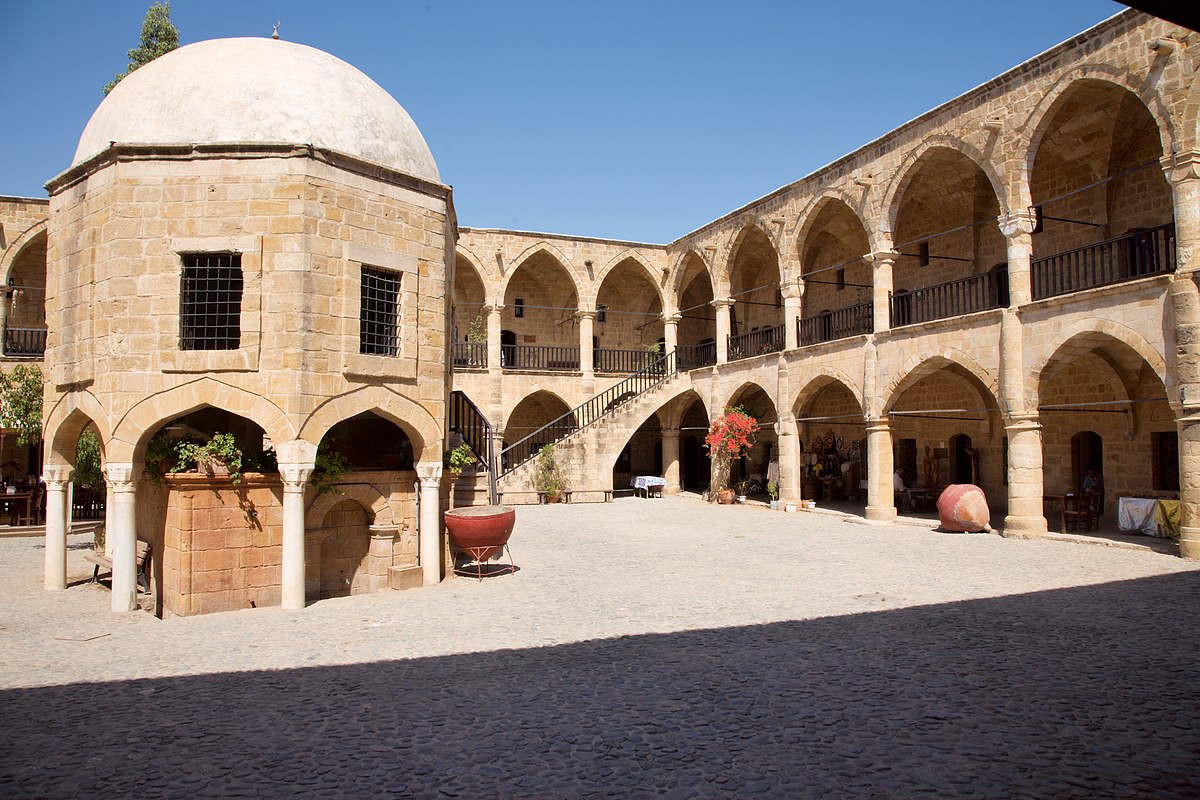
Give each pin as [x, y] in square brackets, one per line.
[429, 525]
[670, 331]
[493, 338]
[722, 306]
[789, 458]
[792, 304]
[123, 535]
[379, 555]
[56, 477]
[295, 482]
[1183, 172]
[670, 456]
[881, 503]
[1017, 227]
[587, 331]
[881, 295]
[1025, 519]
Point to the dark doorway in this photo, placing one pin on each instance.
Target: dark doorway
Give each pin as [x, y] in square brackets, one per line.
[1087, 452]
[962, 459]
[508, 349]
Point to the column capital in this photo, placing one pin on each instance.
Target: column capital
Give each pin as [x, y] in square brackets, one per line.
[117, 474]
[586, 313]
[878, 424]
[671, 434]
[295, 476]
[1017, 423]
[60, 474]
[722, 302]
[1181, 167]
[1017, 223]
[383, 531]
[881, 257]
[428, 471]
[670, 317]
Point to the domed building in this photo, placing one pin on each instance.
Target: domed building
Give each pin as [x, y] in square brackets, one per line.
[252, 240]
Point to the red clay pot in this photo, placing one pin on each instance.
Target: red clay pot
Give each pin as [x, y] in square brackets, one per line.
[481, 531]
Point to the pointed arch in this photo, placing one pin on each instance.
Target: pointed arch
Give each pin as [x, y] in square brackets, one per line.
[748, 387]
[735, 242]
[629, 254]
[33, 234]
[1043, 115]
[1085, 336]
[490, 278]
[553, 252]
[911, 166]
[917, 367]
[422, 429]
[138, 424]
[364, 494]
[803, 227]
[823, 377]
[67, 419]
[678, 272]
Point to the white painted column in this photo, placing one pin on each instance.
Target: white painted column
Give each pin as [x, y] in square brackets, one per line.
[881, 289]
[429, 525]
[110, 503]
[880, 487]
[722, 307]
[1017, 227]
[295, 482]
[56, 477]
[1183, 173]
[587, 331]
[670, 456]
[123, 536]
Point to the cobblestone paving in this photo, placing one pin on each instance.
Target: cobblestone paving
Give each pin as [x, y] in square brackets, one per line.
[647, 648]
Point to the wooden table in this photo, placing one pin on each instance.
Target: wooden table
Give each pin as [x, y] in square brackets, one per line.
[13, 504]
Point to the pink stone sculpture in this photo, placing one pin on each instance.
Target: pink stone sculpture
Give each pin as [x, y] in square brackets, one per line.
[963, 507]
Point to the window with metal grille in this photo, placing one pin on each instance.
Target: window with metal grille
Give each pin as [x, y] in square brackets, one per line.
[379, 312]
[210, 307]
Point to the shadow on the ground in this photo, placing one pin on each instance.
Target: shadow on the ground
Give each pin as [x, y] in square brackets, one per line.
[1084, 692]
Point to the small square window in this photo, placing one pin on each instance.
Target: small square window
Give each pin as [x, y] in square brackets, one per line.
[379, 313]
[210, 302]
[519, 307]
[841, 279]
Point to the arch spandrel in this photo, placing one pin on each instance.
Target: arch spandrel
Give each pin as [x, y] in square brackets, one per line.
[914, 162]
[542, 247]
[140, 422]
[917, 368]
[823, 377]
[413, 418]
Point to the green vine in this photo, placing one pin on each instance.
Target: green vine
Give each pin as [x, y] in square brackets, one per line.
[458, 459]
[329, 465]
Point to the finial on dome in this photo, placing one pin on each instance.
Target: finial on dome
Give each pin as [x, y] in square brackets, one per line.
[275, 33]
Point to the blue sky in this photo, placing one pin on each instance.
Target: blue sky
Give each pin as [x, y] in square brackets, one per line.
[626, 120]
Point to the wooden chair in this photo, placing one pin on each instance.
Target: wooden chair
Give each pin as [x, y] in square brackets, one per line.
[1076, 513]
[1093, 503]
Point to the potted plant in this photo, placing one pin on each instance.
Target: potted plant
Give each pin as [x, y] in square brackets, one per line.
[730, 436]
[455, 461]
[219, 456]
[773, 493]
[746, 487]
[547, 475]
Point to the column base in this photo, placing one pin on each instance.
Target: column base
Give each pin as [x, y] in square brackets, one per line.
[1189, 543]
[1021, 527]
[881, 513]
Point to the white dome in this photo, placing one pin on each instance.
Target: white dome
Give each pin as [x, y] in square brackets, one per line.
[258, 90]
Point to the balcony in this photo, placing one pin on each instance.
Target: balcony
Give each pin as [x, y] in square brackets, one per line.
[539, 357]
[839, 324]
[622, 362]
[1125, 258]
[24, 342]
[950, 299]
[756, 343]
[694, 356]
[470, 355]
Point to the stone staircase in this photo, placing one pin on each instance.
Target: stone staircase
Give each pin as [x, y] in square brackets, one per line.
[584, 452]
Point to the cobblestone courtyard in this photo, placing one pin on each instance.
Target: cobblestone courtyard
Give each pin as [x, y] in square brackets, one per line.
[645, 648]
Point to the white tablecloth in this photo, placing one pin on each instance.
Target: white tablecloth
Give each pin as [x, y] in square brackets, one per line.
[646, 481]
[1137, 514]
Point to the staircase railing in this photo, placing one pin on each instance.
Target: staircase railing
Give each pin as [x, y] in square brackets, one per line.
[602, 405]
[476, 432]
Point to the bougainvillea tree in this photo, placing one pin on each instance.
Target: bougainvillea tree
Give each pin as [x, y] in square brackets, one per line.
[730, 436]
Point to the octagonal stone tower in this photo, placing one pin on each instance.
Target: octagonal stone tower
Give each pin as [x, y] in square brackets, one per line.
[253, 236]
